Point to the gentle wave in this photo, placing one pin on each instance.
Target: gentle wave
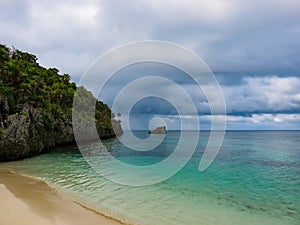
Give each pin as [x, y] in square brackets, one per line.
[254, 180]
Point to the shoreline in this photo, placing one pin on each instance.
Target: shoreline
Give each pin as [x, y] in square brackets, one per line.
[33, 199]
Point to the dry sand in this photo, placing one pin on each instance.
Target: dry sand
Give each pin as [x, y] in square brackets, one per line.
[28, 201]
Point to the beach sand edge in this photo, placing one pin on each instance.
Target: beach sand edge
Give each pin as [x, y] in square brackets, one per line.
[34, 201]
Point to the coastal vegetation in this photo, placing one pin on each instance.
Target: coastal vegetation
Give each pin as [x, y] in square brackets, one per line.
[36, 106]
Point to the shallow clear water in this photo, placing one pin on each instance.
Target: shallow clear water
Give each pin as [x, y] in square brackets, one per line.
[255, 179]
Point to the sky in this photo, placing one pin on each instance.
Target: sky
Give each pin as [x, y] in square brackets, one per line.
[253, 48]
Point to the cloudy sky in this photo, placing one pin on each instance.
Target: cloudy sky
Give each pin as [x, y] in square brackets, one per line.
[253, 47]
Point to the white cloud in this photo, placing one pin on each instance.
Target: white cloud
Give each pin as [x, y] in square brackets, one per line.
[257, 121]
[234, 36]
[264, 94]
[230, 35]
[215, 11]
[257, 102]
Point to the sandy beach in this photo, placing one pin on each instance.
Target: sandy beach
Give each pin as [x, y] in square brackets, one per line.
[29, 201]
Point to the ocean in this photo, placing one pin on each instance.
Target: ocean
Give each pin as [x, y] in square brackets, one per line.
[255, 179]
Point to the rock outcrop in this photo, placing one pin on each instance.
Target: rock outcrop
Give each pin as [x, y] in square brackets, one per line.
[25, 134]
[116, 124]
[36, 108]
[4, 109]
[158, 130]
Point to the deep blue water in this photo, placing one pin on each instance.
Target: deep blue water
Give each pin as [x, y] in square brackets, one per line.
[255, 179]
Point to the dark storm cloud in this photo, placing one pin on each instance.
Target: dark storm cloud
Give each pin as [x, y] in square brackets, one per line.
[252, 46]
[231, 36]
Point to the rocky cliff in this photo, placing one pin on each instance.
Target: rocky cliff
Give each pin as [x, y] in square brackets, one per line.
[25, 133]
[36, 107]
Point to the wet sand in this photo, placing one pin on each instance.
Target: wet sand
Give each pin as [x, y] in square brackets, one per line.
[29, 201]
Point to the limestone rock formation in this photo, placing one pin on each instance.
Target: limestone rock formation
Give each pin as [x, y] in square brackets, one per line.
[158, 130]
[36, 108]
[25, 134]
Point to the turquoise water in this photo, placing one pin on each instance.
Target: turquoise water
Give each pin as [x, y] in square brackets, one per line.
[255, 179]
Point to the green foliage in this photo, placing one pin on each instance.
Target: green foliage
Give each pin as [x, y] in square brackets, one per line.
[24, 81]
[5, 89]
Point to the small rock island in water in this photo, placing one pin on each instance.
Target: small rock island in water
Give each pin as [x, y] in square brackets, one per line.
[158, 130]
